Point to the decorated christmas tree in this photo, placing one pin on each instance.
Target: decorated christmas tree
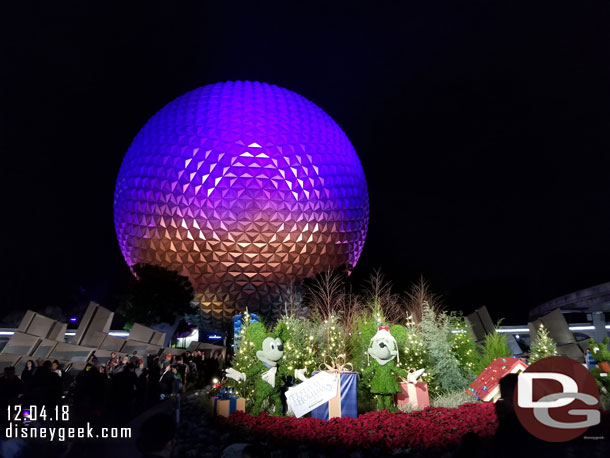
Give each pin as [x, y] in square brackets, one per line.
[329, 337]
[543, 346]
[367, 322]
[246, 320]
[415, 355]
[326, 298]
[464, 347]
[244, 359]
[415, 352]
[365, 325]
[297, 339]
[356, 354]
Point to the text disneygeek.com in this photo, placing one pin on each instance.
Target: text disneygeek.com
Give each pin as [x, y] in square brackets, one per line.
[61, 433]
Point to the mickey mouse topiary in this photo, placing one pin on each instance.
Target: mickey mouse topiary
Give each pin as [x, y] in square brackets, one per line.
[383, 370]
[268, 369]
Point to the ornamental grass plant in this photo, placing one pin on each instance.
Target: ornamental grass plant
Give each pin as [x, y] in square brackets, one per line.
[452, 400]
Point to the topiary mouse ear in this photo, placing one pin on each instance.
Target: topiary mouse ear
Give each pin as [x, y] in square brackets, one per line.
[281, 331]
[368, 332]
[400, 334]
[591, 342]
[256, 333]
[606, 341]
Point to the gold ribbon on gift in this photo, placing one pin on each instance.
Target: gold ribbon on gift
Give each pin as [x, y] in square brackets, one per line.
[336, 366]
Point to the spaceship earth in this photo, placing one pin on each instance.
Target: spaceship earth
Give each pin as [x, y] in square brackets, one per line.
[245, 188]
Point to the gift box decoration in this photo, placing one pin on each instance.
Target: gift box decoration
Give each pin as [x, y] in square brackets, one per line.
[345, 403]
[414, 395]
[226, 403]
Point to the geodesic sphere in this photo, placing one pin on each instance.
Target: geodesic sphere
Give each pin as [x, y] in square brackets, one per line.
[244, 188]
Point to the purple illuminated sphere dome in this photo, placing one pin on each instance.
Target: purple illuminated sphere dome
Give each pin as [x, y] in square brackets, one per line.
[245, 188]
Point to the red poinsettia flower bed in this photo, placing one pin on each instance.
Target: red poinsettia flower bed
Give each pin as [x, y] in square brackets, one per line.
[433, 427]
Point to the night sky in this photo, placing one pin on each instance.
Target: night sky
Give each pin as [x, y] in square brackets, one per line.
[483, 128]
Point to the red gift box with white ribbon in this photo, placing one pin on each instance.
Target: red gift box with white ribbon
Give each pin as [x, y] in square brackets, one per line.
[414, 395]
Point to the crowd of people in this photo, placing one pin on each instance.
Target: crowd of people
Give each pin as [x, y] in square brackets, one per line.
[131, 384]
[109, 392]
[38, 385]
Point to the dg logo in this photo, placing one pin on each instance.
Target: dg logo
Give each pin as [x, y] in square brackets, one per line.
[557, 399]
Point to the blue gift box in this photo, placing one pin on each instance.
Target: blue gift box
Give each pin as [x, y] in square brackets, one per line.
[346, 405]
[226, 403]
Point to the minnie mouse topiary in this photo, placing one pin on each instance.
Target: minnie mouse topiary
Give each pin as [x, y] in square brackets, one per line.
[383, 370]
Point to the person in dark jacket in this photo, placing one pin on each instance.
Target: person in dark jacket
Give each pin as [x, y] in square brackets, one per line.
[154, 374]
[124, 389]
[142, 392]
[166, 382]
[10, 386]
[183, 371]
[28, 371]
[10, 389]
[178, 386]
[510, 431]
[27, 378]
[46, 387]
[89, 394]
[134, 359]
[214, 367]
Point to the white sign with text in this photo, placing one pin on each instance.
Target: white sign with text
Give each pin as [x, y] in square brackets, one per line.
[312, 393]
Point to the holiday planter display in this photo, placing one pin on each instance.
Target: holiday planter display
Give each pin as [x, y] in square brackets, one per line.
[364, 364]
[431, 428]
[486, 387]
